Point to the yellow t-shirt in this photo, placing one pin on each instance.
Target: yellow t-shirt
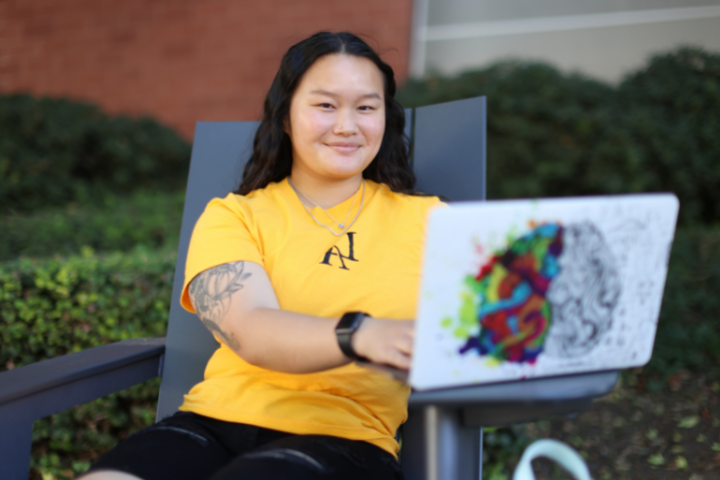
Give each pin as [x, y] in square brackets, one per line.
[374, 268]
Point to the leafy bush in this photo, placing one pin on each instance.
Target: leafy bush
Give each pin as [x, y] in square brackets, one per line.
[53, 151]
[502, 449]
[688, 336]
[50, 307]
[66, 444]
[55, 306]
[118, 223]
[551, 134]
[675, 124]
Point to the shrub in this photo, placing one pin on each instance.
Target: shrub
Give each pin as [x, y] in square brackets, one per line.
[543, 127]
[53, 151]
[118, 223]
[675, 125]
[66, 444]
[688, 336]
[551, 134]
[55, 306]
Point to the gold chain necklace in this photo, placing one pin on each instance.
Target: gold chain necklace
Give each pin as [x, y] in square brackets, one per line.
[340, 225]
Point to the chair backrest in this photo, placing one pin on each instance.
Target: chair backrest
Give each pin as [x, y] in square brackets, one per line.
[448, 144]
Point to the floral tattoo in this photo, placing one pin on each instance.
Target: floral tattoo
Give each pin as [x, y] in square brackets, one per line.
[210, 293]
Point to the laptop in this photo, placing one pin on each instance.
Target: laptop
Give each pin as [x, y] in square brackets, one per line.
[521, 289]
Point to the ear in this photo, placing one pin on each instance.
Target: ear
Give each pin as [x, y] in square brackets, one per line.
[286, 125]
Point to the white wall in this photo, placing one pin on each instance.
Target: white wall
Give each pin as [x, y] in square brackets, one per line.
[601, 38]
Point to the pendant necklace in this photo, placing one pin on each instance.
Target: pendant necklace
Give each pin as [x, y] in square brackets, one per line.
[340, 225]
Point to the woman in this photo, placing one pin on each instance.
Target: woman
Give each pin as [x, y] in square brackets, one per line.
[307, 267]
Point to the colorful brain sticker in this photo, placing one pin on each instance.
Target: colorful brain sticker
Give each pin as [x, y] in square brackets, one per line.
[508, 298]
[552, 290]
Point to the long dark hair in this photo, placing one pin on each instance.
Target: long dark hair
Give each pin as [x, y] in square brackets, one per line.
[271, 159]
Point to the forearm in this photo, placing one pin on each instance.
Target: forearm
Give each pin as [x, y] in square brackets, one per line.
[236, 302]
[287, 341]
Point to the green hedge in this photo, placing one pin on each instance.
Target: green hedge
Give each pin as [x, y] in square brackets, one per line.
[54, 151]
[51, 307]
[55, 306]
[675, 125]
[117, 223]
[553, 134]
[688, 335]
[66, 444]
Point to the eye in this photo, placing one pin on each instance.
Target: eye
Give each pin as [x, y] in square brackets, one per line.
[366, 108]
[325, 105]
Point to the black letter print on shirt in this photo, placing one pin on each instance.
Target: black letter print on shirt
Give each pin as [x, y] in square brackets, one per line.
[335, 250]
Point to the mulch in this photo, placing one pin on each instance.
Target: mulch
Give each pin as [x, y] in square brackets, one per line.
[634, 434]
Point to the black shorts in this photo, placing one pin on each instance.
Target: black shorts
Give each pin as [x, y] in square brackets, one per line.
[190, 446]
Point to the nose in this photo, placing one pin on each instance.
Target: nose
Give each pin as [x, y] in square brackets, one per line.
[346, 124]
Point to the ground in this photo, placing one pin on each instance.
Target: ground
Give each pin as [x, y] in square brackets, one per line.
[634, 434]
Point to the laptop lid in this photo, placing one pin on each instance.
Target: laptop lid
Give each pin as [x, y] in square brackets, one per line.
[534, 288]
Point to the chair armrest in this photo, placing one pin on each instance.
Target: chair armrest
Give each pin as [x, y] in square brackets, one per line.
[44, 388]
[518, 402]
[570, 387]
[54, 385]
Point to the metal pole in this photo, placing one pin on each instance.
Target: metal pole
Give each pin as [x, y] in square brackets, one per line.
[480, 455]
[432, 449]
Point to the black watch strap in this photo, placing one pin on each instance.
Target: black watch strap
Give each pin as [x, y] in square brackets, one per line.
[345, 329]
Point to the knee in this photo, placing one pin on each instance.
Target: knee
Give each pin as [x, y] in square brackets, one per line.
[108, 475]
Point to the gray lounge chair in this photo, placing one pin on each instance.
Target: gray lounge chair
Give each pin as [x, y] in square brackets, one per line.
[442, 439]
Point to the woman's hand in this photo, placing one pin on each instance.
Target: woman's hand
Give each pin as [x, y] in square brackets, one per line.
[385, 342]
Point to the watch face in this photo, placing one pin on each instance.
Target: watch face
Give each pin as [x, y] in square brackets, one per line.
[349, 322]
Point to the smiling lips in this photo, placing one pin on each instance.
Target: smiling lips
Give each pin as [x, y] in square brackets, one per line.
[344, 147]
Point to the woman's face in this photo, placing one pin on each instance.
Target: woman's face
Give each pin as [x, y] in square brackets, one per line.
[337, 118]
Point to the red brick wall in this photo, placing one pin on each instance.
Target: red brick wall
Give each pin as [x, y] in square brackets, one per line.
[178, 60]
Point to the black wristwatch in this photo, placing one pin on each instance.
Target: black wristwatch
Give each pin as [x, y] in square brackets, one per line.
[345, 329]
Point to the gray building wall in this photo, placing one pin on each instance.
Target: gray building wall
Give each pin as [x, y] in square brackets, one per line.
[601, 38]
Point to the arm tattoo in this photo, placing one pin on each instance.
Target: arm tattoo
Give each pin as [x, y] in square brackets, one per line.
[210, 293]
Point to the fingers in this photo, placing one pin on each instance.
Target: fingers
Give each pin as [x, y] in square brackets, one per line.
[393, 358]
[386, 342]
[405, 345]
[401, 360]
[406, 337]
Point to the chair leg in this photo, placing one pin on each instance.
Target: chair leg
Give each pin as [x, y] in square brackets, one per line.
[437, 446]
[14, 448]
[481, 438]
[412, 454]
